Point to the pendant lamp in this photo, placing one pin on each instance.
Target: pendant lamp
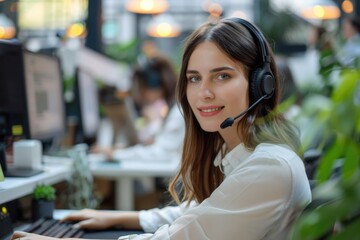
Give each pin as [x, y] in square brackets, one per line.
[147, 6]
[7, 27]
[163, 26]
[321, 9]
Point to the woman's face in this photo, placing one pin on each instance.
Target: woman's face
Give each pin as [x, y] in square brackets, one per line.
[144, 95]
[217, 87]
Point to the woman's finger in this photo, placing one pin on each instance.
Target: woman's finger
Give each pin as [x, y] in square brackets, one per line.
[18, 235]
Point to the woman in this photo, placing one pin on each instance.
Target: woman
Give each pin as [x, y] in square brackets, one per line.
[154, 81]
[242, 180]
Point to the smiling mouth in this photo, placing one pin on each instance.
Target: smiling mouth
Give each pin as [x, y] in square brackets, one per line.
[209, 110]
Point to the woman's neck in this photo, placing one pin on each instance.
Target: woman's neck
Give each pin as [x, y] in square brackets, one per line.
[231, 137]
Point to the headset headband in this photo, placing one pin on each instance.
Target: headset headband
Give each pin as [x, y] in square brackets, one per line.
[258, 36]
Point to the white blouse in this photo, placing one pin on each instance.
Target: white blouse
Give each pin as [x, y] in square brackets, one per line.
[262, 194]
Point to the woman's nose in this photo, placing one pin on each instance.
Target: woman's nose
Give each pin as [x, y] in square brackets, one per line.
[206, 91]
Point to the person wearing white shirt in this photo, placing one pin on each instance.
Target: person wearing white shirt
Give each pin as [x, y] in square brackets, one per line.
[161, 124]
[350, 51]
[240, 176]
[167, 144]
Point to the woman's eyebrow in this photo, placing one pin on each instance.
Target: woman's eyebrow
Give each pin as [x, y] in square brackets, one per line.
[191, 72]
[219, 69]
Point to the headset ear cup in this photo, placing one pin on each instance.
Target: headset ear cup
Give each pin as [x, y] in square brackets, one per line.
[255, 85]
[262, 83]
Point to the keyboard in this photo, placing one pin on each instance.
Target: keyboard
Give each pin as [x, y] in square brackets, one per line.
[54, 228]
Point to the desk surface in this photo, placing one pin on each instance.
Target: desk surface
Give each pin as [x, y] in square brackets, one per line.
[134, 169]
[124, 173]
[16, 187]
[57, 169]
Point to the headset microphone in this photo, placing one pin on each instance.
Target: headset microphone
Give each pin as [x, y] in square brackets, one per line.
[229, 121]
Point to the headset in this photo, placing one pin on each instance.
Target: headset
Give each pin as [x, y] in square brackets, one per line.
[261, 80]
[152, 77]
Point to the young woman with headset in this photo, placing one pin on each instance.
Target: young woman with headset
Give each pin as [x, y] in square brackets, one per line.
[240, 176]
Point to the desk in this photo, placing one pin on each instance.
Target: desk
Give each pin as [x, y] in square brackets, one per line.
[14, 187]
[57, 170]
[124, 174]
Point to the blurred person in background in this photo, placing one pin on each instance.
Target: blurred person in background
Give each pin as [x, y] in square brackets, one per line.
[320, 39]
[161, 124]
[349, 53]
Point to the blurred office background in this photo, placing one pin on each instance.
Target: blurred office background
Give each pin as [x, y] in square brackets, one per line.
[107, 36]
[101, 25]
[121, 28]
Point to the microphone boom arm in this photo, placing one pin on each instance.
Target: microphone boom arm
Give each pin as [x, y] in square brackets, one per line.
[229, 121]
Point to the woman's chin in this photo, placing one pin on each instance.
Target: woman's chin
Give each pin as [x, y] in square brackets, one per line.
[210, 127]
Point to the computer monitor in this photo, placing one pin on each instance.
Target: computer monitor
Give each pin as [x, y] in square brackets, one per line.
[13, 111]
[44, 96]
[32, 104]
[87, 106]
[31, 97]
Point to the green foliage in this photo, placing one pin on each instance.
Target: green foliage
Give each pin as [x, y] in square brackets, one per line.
[327, 63]
[338, 119]
[126, 53]
[44, 192]
[340, 208]
[80, 192]
[276, 25]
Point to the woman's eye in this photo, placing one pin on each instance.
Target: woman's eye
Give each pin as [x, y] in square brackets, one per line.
[223, 76]
[193, 78]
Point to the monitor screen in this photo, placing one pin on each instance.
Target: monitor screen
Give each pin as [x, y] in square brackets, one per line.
[86, 94]
[12, 91]
[44, 96]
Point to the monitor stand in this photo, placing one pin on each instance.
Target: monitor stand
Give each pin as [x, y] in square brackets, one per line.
[21, 172]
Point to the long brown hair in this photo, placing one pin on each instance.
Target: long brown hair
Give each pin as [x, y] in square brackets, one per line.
[198, 177]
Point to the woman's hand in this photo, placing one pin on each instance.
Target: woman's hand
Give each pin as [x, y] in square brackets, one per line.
[92, 219]
[29, 236]
[107, 151]
[96, 219]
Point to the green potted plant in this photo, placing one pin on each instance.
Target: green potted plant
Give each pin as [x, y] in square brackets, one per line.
[43, 201]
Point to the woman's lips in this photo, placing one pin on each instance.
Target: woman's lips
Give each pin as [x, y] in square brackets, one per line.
[210, 111]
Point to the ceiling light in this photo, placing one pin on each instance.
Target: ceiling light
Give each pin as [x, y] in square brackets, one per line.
[76, 30]
[7, 27]
[321, 9]
[347, 6]
[163, 26]
[215, 9]
[147, 6]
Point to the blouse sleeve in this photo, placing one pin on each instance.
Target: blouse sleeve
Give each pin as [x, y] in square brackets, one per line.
[153, 219]
[253, 200]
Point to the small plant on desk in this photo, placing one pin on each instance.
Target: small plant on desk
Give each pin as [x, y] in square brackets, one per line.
[43, 201]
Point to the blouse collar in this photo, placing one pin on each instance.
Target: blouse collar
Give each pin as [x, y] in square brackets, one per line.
[232, 159]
